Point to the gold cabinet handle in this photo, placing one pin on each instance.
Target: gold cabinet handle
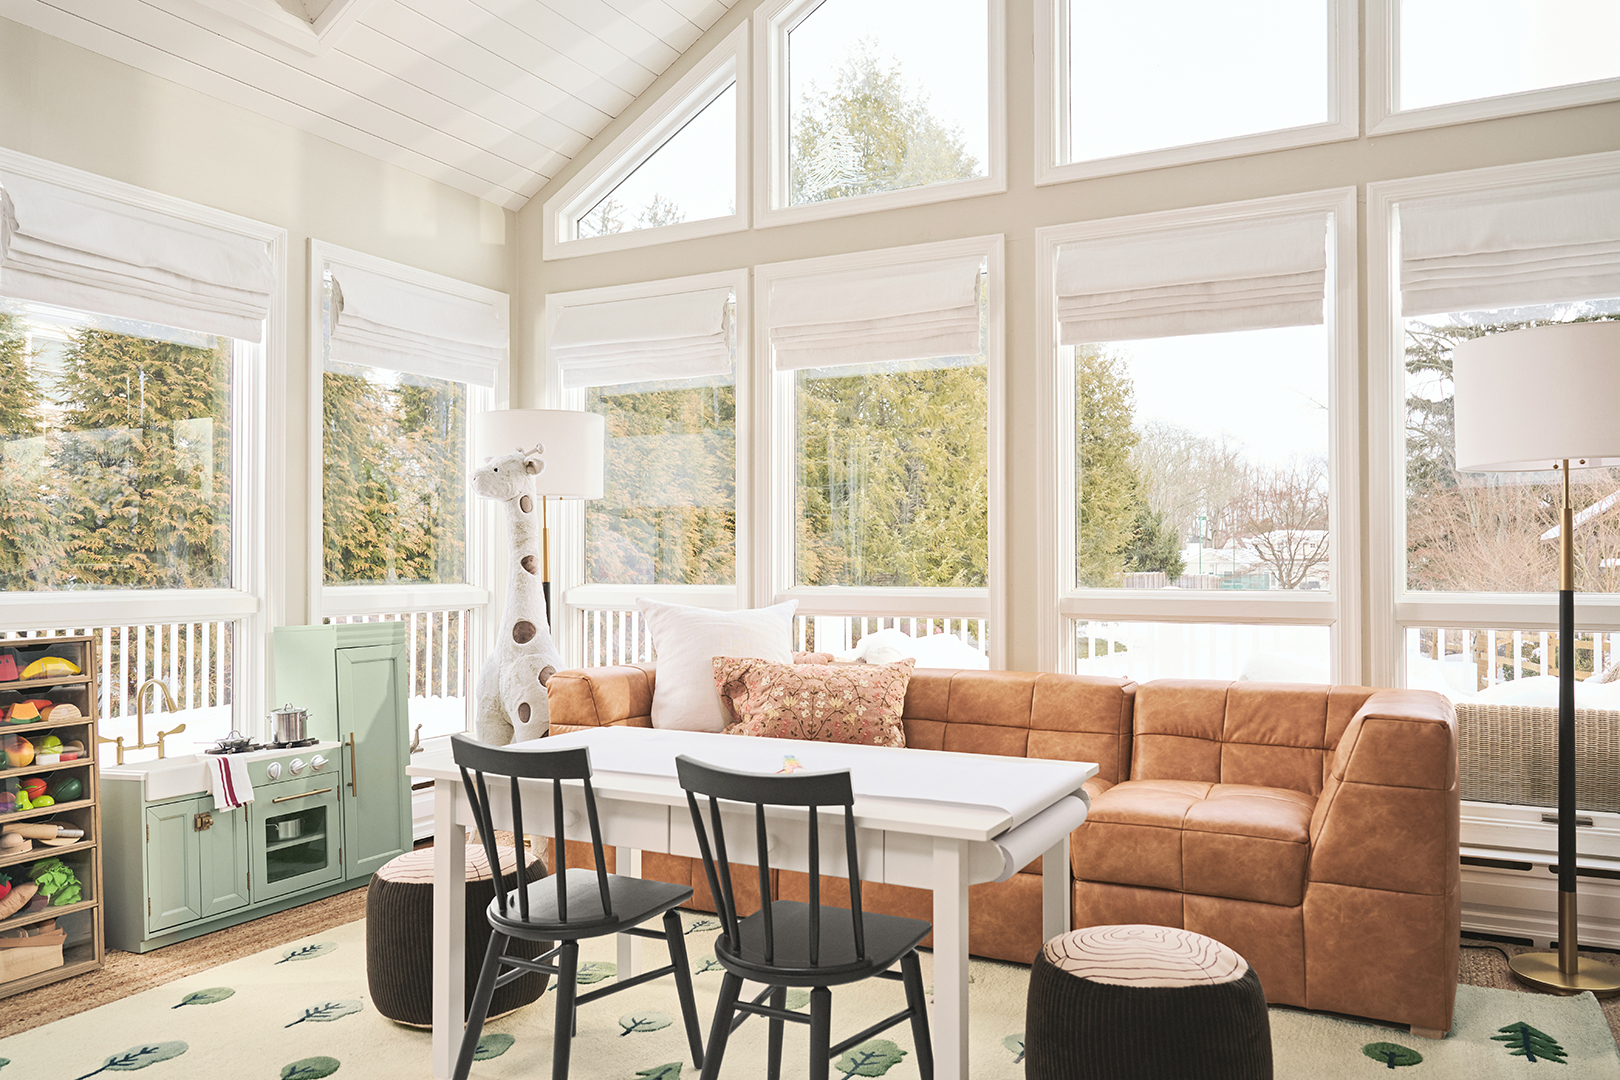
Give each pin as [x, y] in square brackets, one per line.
[354, 773]
[301, 795]
[201, 822]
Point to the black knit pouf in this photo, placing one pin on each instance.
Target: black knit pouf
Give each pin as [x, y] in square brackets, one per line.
[399, 935]
[1144, 1003]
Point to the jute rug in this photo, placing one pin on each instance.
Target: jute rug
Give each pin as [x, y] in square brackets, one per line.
[301, 1011]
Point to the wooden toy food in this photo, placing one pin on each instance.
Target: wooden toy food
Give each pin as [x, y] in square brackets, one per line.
[19, 751]
[34, 785]
[50, 667]
[24, 712]
[43, 830]
[68, 789]
[17, 899]
[62, 711]
[8, 667]
[12, 843]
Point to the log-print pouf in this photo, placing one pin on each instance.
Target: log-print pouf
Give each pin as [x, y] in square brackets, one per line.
[399, 935]
[1144, 1003]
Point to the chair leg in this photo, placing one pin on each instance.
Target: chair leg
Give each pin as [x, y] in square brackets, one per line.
[724, 1009]
[675, 935]
[820, 1032]
[774, 1051]
[480, 1003]
[567, 988]
[917, 1002]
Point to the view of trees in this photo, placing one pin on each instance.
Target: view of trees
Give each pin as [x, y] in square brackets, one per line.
[1482, 532]
[668, 514]
[115, 467]
[395, 478]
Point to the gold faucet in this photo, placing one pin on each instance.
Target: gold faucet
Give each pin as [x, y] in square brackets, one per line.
[140, 722]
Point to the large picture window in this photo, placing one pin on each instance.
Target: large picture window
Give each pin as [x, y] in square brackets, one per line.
[1469, 593]
[874, 104]
[138, 338]
[1198, 478]
[1130, 86]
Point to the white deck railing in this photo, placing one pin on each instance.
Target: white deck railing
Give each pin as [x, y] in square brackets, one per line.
[193, 658]
[622, 637]
[438, 660]
[1500, 656]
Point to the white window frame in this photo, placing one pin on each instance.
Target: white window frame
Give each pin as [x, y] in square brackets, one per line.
[483, 531]
[772, 23]
[1061, 602]
[775, 483]
[570, 595]
[1395, 608]
[1383, 86]
[1052, 105]
[255, 602]
[646, 135]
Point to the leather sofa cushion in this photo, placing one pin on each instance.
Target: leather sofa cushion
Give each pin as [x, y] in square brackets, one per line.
[1237, 841]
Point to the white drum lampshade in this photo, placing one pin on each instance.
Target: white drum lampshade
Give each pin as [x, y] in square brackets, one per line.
[574, 444]
[1527, 399]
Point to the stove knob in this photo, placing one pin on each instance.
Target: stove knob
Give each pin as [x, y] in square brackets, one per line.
[317, 763]
[295, 766]
[273, 770]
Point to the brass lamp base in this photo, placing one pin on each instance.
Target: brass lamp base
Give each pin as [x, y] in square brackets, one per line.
[1542, 969]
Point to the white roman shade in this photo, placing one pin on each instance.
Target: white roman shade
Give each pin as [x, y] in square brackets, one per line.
[92, 253]
[1555, 241]
[644, 339]
[387, 322]
[1201, 279]
[909, 312]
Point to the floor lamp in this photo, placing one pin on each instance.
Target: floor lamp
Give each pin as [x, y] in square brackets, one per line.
[1548, 397]
[575, 443]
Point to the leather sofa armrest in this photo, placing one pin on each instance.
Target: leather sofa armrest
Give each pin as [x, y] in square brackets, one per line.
[609, 696]
[1389, 814]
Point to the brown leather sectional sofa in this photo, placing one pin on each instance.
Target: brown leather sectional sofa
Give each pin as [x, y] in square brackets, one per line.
[1312, 828]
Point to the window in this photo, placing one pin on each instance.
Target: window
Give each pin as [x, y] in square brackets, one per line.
[1473, 576]
[1129, 86]
[1200, 474]
[879, 103]
[660, 362]
[885, 440]
[676, 172]
[1451, 61]
[406, 360]
[139, 339]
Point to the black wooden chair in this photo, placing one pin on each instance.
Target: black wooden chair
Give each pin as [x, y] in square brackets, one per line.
[574, 904]
[786, 943]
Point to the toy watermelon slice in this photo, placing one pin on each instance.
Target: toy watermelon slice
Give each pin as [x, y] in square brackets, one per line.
[23, 713]
[50, 667]
[8, 667]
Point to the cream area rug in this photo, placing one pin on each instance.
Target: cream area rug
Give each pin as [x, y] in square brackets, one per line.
[302, 1011]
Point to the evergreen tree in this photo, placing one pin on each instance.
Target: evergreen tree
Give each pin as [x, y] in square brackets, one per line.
[142, 471]
[870, 133]
[1153, 545]
[1109, 490]
[25, 521]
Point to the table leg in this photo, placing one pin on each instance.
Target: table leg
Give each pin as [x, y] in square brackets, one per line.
[1056, 892]
[449, 926]
[950, 1021]
[627, 861]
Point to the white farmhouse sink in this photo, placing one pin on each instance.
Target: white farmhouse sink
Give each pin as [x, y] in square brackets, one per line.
[164, 779]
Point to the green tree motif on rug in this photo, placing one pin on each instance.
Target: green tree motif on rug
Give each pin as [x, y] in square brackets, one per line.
[1532, 1044]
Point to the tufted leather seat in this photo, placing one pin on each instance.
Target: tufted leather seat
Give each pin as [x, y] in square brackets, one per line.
[1313, 829]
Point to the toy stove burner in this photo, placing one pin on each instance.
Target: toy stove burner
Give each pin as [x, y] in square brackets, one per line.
[290, 745]
[234, 748]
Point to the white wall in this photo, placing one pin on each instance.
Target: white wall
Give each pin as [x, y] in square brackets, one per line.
[1017, 214]
[78, 108]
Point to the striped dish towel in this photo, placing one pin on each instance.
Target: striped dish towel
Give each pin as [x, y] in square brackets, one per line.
[229, 781]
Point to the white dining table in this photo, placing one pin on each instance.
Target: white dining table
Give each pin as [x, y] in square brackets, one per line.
[924, 818]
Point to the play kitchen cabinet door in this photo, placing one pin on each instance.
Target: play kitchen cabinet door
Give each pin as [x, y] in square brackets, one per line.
[354, 679]
[295, 836]
[371, 683]
[196, 862]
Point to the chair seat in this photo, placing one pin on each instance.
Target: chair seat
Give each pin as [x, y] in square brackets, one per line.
[888, 938]
[635, 900]
[1236, 841]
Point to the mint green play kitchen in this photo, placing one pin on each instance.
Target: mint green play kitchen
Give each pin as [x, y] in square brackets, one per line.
[327, 799]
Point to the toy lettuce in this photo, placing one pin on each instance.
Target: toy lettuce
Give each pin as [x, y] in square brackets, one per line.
[56, 881]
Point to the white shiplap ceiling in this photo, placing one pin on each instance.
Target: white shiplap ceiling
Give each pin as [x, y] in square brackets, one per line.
[489, 96]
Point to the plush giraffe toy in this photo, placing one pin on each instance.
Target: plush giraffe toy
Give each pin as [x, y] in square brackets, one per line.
[512, 687]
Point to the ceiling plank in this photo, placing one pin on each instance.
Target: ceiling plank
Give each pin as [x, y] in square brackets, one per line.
[601, 21]
[589, 51]
[673, 28]
[76, 27]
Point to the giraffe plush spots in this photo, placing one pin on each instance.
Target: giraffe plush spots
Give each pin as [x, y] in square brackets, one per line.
[512, 686]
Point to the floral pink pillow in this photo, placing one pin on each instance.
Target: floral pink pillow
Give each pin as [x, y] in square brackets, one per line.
[846, 703]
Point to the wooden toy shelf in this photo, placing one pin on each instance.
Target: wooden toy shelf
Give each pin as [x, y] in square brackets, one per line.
[85, 947]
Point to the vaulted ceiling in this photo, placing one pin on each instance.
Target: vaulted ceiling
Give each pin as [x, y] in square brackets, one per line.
[490, 96]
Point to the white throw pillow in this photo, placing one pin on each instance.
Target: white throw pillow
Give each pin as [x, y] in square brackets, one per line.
[687, 639]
